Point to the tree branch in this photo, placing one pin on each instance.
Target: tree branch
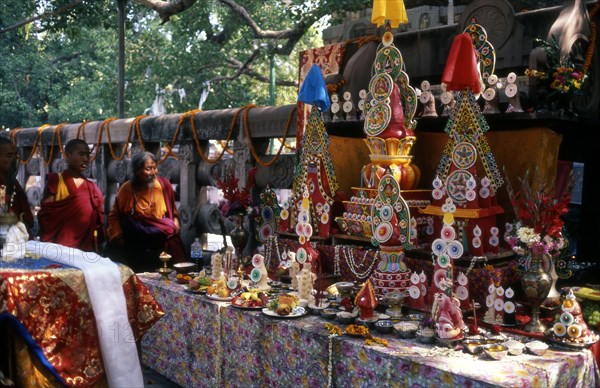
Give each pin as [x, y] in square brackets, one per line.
[166, 9]
[234, 63]
[42, 16]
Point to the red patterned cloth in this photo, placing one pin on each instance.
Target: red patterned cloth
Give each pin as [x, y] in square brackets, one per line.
[53, 306]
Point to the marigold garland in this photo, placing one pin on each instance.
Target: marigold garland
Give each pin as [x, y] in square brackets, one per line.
[110, 147]
[138, 131]
[251, 146]
[104, 124]
[55, 132]
[197, 142]
[34, 147]
[592, 43]
[81, 130]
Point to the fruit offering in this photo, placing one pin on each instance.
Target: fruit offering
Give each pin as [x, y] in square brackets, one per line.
[220, 289]
[198, 282]
[591, 314]
[183, 278]
[284, 304]
[250, 298]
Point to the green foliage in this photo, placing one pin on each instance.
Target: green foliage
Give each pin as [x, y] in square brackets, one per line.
[63, 68]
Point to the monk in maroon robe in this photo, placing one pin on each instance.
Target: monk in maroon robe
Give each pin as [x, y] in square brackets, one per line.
[72, 211]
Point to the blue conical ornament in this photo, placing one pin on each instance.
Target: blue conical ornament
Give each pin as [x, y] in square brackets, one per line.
[313, 89]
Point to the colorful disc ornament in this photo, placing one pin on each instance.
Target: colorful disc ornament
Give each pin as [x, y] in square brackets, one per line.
[301, 255]
[414, 292]
[499, 304]
[255, 275]
[443, 261]
[567, 319]
[266, 231]
[509, 293]
[464, 155]
[383, 232]
[448, 233]
[386, 212]
[559, 329]
[377, 119]
[414, 278]
[440, 279]
[232, 283]
[257, 261]
[462, 293]
[438, 246]
[509, 307]
[489, 301]
[267, 213]
[455, 249]
[456, 185]
[462, 279]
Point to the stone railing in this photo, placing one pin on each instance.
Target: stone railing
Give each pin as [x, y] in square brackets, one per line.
[182, 143]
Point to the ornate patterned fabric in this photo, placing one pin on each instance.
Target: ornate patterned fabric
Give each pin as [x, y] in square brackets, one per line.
[203, 343]
[51, 303]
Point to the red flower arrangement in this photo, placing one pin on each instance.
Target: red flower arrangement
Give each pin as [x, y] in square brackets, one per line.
[539, 214]
[237, 200]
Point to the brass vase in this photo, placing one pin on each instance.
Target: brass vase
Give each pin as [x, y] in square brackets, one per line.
[239, 237]
[536, 283]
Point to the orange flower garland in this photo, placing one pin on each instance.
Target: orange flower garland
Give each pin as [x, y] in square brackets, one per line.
[249, 137]
[592, 43]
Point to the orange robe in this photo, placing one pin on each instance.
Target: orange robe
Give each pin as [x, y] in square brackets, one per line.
[146, 223]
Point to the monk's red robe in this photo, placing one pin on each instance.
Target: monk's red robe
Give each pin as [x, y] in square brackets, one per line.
[72, 221]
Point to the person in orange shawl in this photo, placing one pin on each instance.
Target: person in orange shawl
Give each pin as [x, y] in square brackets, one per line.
[72, 209]
[15, 197]
[144, 221]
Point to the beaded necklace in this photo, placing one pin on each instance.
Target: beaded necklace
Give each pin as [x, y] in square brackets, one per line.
[139, 205]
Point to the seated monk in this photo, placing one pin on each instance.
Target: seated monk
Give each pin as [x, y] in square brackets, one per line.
[143, 221]
[72, 208]
[15, 198]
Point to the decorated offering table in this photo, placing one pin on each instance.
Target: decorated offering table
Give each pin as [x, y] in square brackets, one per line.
[48, 329]
[203, 342]
[356, 263]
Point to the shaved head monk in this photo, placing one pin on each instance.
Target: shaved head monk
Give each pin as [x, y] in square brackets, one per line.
[72, 210]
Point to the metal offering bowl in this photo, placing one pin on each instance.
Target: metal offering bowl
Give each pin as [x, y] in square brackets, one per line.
[495, 351]
[164, 271]
[384, 326]
[395, 298]
[538, 348]
[184, 268]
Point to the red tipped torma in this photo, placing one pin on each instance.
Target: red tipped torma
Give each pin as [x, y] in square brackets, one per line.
[462, 67]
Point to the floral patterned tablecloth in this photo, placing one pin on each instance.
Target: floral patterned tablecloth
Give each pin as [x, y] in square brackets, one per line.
[201, 342]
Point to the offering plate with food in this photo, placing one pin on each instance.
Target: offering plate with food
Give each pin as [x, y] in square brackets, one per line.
[198, 284]
[220, 291]
[285, 306]
[250, 298]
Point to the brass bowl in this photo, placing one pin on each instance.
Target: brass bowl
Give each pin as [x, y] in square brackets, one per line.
[184, 268]
[384, 326]
[164, 271]
[406, 329]
[473, 346]
[495, 351]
